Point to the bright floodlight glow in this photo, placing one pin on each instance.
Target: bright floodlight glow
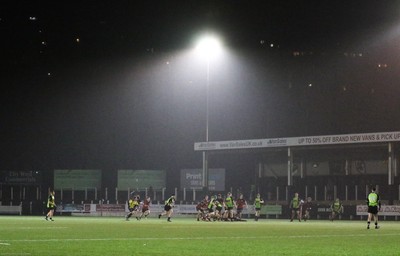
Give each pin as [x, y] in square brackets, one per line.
[209, 46]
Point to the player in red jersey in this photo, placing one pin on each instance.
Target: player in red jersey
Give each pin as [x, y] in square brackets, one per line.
[240, 205]
[306, 208]
[145, 207]
[201, 207]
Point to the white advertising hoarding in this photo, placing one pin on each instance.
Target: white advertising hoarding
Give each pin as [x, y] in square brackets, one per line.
[299, 141]
[193, 178]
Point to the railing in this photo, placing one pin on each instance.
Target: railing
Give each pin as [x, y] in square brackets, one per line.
[11, 209]
[11, 195]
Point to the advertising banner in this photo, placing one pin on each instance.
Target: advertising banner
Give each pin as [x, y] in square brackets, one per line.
[73, 208]
[299, 141]
[77, 179]
[111, 207]
[386, 210]
[193, 179]
[20, 177]
[141, 179]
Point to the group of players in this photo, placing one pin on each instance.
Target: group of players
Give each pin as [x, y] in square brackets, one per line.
[137, 208]
[140, 209]
[215, 208]
[219, 208]
[223, 209]
[227, 209]
[301, 209]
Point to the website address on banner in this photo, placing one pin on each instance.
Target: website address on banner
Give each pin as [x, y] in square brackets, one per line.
[241, 144]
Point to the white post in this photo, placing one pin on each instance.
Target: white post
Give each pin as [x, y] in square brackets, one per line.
[277, 193]
[390, 164]
[101, 208]
[287, 193]
[399, 193]
[315, 192]
[290, 167]
[356, 191]
[395, 165]
[334, 192]
[302, 169]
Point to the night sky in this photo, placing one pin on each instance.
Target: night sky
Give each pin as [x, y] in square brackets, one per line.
[107, 85]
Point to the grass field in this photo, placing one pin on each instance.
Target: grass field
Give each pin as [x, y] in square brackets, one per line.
[21, 235]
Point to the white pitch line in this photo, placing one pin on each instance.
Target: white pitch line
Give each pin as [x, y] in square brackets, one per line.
[5, 244]
[23, 228]
[21, 253]
[192, 238]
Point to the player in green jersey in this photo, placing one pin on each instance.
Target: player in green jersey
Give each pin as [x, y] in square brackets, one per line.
[336, 209]
[229, 205]
[257, 206]
[294, 205]
[51, 205]
[133, 206]
[169, 204]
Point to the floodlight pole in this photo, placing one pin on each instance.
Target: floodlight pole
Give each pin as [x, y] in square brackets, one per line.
[205, 155]
[209, 45]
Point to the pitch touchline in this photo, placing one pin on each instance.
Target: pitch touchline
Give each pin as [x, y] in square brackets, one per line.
[184, 238]
[23, 228]
[17, 253]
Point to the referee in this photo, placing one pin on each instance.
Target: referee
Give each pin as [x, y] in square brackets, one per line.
[374, 205]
